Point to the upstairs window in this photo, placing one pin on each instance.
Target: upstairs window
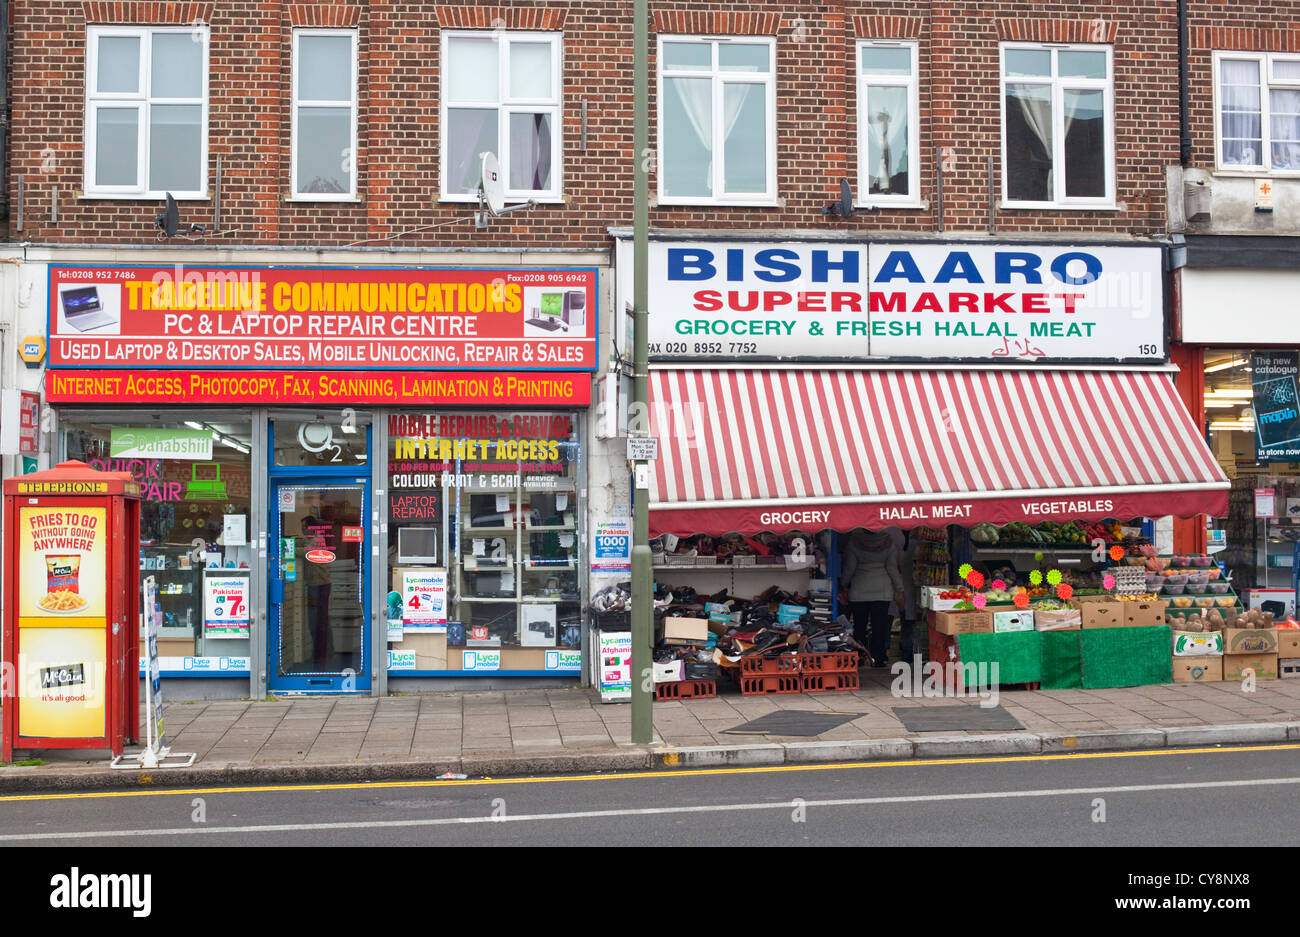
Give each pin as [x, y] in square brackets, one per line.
[717, 121]
[887, 124]
[501, 95]
[1257, 109]
[324, 115]
[1058, 146]
[146, 111]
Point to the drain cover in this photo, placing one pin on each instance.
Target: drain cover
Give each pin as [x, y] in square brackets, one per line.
[799, 722]
[960, 718]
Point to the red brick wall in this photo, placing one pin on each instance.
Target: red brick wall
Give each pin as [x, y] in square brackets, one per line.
[397, 158]
[1237, 27]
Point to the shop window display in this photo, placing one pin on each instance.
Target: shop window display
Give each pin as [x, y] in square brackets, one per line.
[195, 482]
[484, 516]
[1258, 451]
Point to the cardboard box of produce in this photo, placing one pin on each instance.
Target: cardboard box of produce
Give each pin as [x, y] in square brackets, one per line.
[1060, 619]
[1198, 669]
[1101, 613]
[1288, 642]
[1264, 665]
[686, 630]
[1250, 641]
[963, 622]
[1197, 643]
[1144, 614]
[1019, 620]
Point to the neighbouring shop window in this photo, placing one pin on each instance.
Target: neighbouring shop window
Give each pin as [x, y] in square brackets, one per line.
[146, 111]
[717, 120]
[324, 114]
[887, 122]
[1057, 109]
[1252, 414]
[1258, 120]
[501, 94]
[195, 480]
[484, 508]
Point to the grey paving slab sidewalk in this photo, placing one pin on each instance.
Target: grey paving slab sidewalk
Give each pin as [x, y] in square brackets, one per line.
[570, 729]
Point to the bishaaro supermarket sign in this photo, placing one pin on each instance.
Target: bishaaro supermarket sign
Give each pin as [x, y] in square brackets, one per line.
[720, 300]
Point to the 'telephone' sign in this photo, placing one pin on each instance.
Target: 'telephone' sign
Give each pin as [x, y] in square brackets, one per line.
[833, 302]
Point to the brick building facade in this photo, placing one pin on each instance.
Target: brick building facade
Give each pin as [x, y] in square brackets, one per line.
[345, 136]
[399, 81]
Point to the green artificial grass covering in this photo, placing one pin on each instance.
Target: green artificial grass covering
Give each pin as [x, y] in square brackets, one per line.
[1060, 657]
[1016, 653]
[1113, 657]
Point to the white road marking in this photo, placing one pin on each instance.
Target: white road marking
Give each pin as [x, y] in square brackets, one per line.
[641, 811]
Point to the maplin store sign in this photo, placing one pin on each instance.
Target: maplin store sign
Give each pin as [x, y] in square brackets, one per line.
[723, 300]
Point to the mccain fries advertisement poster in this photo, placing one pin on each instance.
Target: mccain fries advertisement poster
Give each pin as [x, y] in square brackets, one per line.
[62, 562]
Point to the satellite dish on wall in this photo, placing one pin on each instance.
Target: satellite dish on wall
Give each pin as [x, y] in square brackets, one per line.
[493, 184]
[844, 207]
[170, 219]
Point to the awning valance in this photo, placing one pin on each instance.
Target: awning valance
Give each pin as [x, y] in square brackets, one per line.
[780, 449]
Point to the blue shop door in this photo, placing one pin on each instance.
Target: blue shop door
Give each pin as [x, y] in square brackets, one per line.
[319, 634]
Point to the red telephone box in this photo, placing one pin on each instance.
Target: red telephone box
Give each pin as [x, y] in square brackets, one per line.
[71, 638]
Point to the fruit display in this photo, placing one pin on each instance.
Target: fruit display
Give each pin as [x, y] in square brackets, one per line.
[1144, 597]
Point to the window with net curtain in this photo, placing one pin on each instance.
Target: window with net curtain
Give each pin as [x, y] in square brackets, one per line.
[1055, 115]
[501, 95]
[716, 99]
[887, 121]
[1259, 112]
[146, 93]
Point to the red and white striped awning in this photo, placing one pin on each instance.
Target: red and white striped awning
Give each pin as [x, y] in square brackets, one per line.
[774, 449]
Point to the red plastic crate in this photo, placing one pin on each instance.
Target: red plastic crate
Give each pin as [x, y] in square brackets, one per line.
[833, 662]
[755, 666]
[835, 682]
[686, 689]
[769, 684]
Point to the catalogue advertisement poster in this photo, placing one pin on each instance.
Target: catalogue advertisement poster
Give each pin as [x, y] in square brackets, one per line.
[1276, 405]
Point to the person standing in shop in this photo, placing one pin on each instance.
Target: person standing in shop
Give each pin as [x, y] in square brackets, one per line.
[905, 543]
[870, 569]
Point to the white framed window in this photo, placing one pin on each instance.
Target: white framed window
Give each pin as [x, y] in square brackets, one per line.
[888, 124]
[717, 120]
[1257, 112]
[146, 111]
[1058, 126]
[324, 121]
[501, 94]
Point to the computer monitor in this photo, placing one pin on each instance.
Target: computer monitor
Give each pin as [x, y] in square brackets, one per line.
[417, 544]
[552, 304]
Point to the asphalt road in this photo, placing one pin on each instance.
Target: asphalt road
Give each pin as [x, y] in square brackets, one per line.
[1232, 796]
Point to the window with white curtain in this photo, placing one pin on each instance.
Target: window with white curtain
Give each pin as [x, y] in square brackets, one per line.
[324, 129]
[887, 124]
[1257, 109]
[1058, 118]
[146, 111]
[501, 95]
[717, 121]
